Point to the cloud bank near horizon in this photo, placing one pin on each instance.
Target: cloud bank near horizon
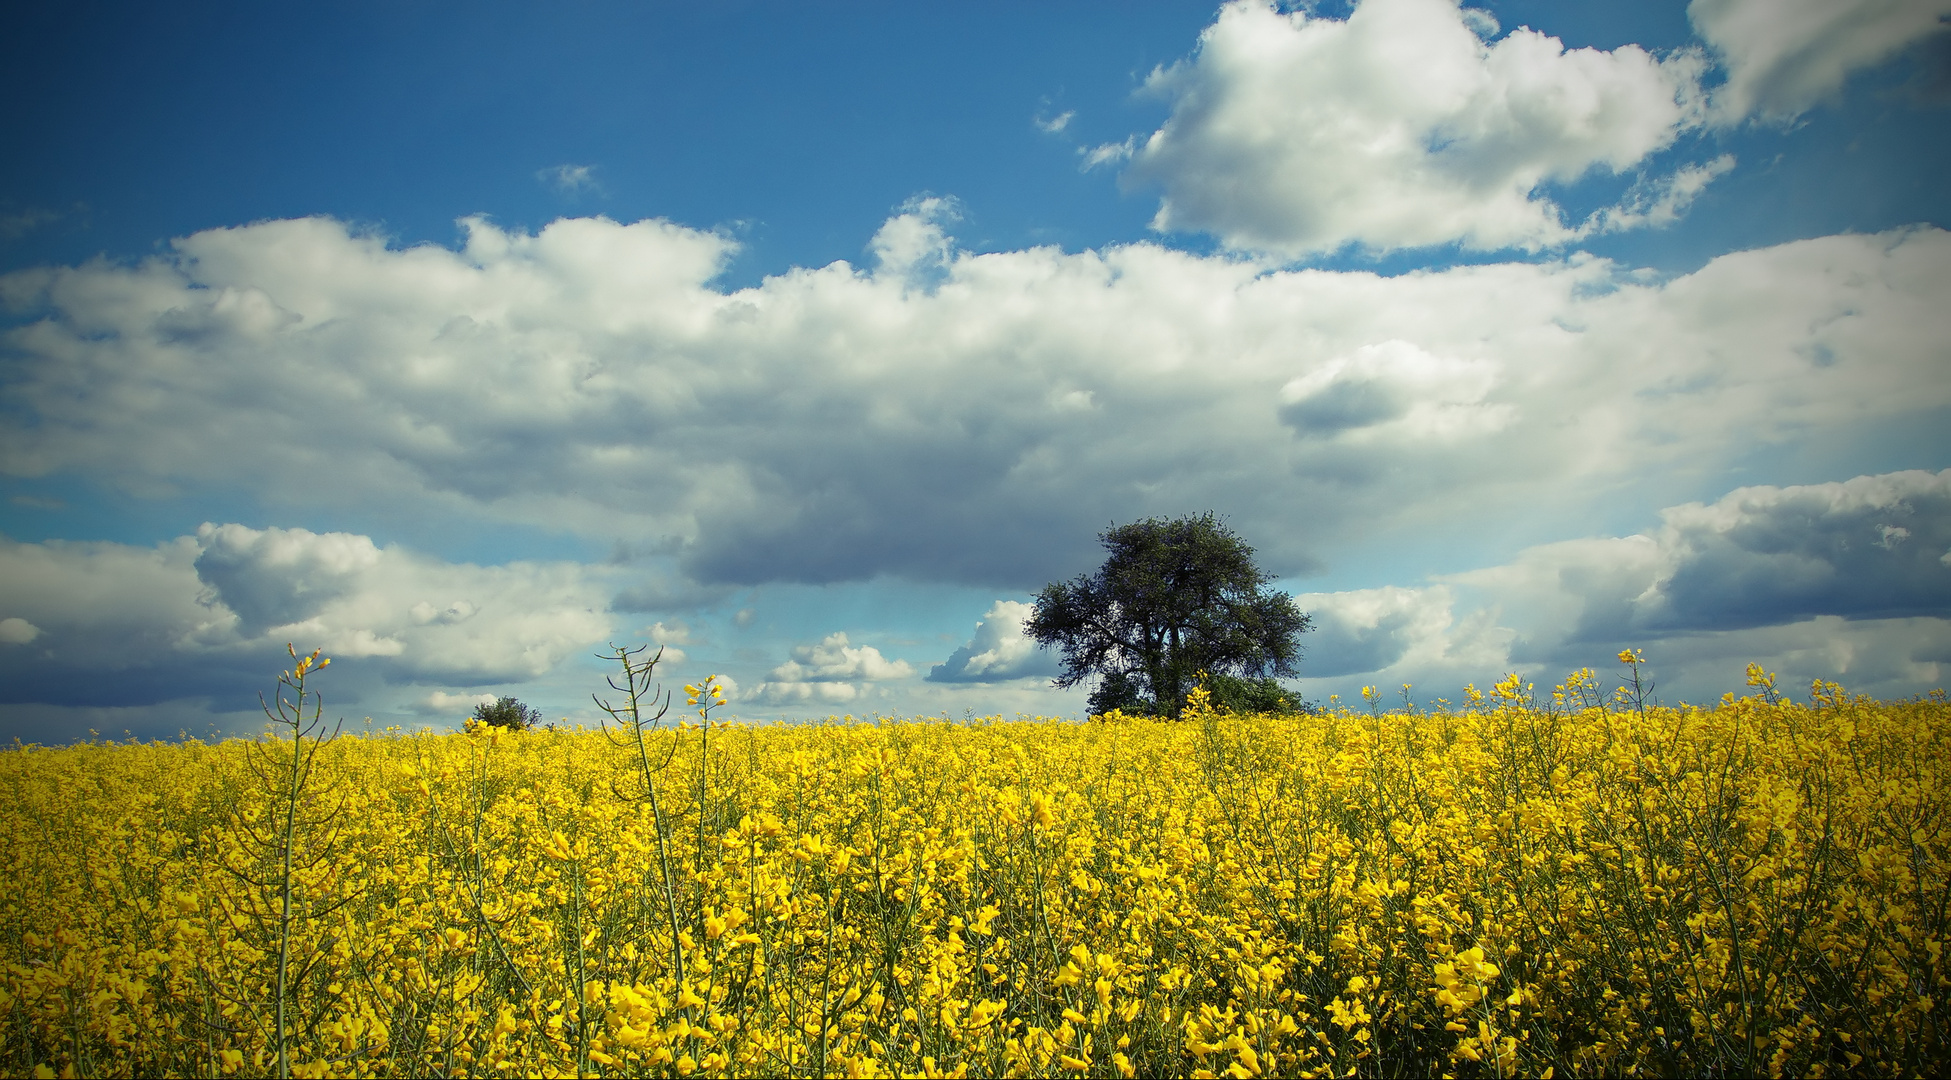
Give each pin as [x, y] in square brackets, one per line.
[1847, 579]
[1851, 578]
[110, 625]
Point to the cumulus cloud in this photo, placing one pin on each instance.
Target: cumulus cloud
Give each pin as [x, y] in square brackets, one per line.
[999, 651]
[831, 671]
[834, 659]
[802, 693]
[840, 424]
[464, 624]
[675, 633]
[914, 246]
[667, 640]
[15, 631]
[1822, 580]
[114, 624]
[442, 703]
[1394, 385]
[1783, 57]
[1369, 630]
[275, 577]
[1403, 126]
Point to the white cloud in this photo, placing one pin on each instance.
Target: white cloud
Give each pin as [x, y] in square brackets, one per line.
[833, 658]
[676, 633]
[1394, 389]
[1663, 201]
[1783, 57]
[1402, 127]
[15, 631]
[569, 179]
[1368, 630]
[1057, 123]
[914, 245]
[116, 624]
[667, 639]
[441, 703]
[831, 671]
[458, 611]
[798, 693]
[342, 591]
[1000, 650]
[1107, 153]
[834, 424]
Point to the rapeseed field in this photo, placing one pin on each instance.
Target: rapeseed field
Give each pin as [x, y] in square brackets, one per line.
[1565, 883]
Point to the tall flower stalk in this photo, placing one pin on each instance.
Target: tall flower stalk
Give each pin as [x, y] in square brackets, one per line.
[287, 771]
[636, 717]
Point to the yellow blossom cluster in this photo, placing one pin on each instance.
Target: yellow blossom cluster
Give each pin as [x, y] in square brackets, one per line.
[1519, 886]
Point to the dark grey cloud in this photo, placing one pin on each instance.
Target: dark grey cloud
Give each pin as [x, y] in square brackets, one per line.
[274, 578]
[1783, 565]
[658, 593]
[1345, 643]
[1342, 405]
[115, 625]
[1871, 548]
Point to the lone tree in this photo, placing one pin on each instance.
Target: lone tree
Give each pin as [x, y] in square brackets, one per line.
[1175, 598]
[508, 713]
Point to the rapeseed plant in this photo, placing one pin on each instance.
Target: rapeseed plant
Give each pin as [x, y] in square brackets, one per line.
[1533, 883]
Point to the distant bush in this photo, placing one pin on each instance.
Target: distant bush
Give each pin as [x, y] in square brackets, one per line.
[507, 713]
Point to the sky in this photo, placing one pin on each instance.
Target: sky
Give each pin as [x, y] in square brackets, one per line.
[807, 343]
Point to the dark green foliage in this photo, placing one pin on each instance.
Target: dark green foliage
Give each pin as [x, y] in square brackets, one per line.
[508, 713]
[1123, 691]
[1175, 598]
[1234, 694]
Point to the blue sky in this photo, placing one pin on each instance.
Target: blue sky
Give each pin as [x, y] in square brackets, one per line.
[463, 340]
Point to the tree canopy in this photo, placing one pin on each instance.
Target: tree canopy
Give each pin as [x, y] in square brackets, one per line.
[507, 713]
[1175, 598]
